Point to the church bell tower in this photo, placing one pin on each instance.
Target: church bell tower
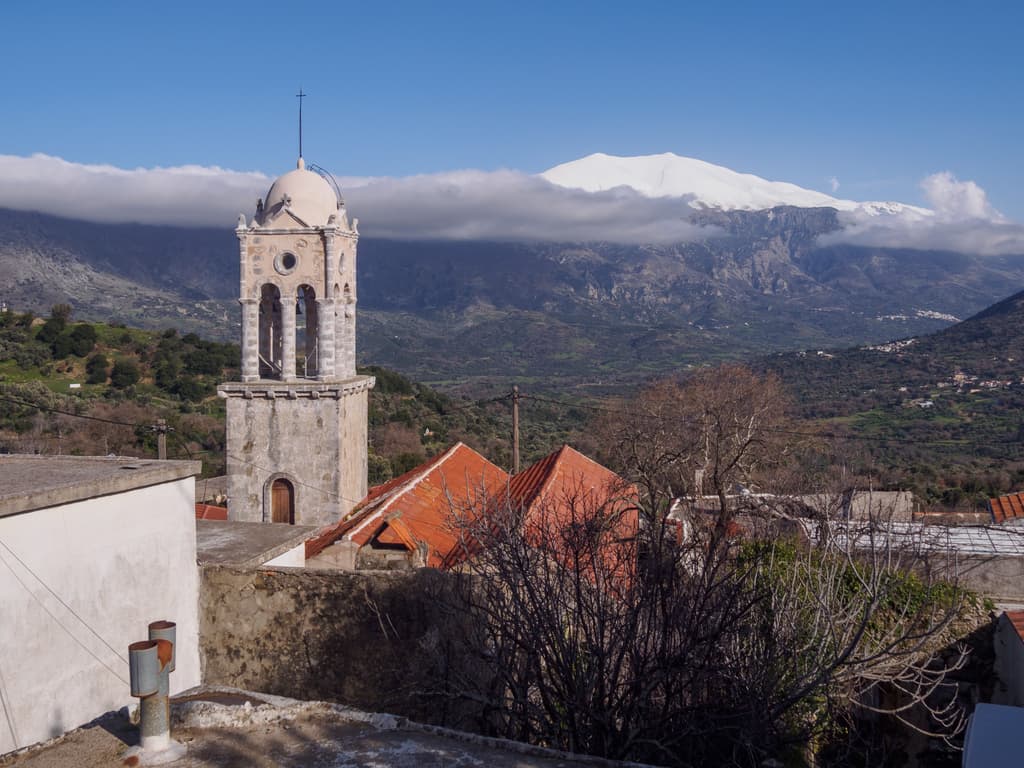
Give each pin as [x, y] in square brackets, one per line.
[297, 420]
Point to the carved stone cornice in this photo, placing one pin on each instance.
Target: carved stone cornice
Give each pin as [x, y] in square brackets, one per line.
[273, 389]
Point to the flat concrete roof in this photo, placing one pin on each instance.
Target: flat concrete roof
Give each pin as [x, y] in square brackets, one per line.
[29, 482]
[226, 542]
[223, 728]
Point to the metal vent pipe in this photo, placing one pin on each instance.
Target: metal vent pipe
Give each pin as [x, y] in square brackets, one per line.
[150, 663]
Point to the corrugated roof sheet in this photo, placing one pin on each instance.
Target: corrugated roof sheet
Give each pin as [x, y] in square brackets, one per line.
[963, 539]
[1009, 507]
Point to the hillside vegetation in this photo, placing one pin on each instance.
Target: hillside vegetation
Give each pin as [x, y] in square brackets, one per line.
[942, 414]
[93, 388]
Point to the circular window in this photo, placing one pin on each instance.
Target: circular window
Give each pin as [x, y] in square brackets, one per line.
[285, 263]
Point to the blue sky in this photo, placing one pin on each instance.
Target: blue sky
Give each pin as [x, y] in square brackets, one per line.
[877, 95]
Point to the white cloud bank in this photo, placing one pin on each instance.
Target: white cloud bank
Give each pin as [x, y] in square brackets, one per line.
[501, 205]
[185, 195]
[961, 219]
[464, 205]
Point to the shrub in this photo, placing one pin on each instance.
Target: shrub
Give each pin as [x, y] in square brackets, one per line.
[125, 373]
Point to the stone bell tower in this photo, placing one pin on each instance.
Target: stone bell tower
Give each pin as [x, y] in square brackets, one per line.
[296, 422]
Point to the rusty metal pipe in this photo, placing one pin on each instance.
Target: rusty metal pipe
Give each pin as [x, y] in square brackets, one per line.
[150, 663]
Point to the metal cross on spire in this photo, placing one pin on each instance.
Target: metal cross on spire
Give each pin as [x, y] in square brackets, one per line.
[300, 96]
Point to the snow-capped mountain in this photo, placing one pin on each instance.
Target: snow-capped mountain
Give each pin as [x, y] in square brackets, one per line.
[708, 185]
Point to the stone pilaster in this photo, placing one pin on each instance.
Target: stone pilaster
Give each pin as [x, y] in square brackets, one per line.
[330, 262]
[325, 339]
[287, 338]
[250, 339]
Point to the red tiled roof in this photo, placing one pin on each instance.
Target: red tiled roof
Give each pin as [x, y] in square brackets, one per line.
[562, 474]
[566, 488]
[415, 508]
[210, 512]
[1009, 507]
[1016, 619]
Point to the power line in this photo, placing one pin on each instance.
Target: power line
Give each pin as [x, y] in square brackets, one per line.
[71, 610]
[324, 491]
[47, 409]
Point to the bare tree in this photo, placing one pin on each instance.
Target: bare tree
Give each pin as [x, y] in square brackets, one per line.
[687, 644]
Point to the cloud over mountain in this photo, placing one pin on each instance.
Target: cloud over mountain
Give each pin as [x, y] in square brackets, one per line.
[507, 205]
[499, 205]
[961, 219]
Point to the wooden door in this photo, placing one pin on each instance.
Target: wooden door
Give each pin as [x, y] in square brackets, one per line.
[282, 502]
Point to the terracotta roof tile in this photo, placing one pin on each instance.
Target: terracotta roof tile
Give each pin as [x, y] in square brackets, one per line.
[210, 512]
[1009, 507]
[415, 508]
[564, 489]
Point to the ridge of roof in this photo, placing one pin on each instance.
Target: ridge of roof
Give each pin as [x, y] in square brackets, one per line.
[413, 477]
[364, 510]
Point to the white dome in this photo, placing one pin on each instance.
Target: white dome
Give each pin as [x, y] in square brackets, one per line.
[303, 193]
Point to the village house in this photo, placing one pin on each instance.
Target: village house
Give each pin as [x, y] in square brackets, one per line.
[92, 549]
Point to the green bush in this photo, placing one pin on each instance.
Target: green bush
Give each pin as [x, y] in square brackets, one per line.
[125, 373]
[96, 367]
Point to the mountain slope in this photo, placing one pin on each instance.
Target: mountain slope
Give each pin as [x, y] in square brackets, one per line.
[566, 314]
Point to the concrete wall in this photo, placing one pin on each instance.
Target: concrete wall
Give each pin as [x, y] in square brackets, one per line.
[344, 636]
[1009, 664]
[999, 577]
[109, 566]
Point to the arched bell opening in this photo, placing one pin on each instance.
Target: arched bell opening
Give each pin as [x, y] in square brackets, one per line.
[307, 331]
[270, 332]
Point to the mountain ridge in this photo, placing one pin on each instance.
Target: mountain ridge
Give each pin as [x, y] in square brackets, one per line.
[461, 313]
[703, 184]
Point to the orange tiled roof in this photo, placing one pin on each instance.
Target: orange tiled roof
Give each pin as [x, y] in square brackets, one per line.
[1009, 507]
[1016, 618]
[564, 488]
[561, 474]
[210, 512]
[415, 509]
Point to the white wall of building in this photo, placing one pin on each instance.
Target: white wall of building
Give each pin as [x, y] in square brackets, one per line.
[293, 558]
[109, 566]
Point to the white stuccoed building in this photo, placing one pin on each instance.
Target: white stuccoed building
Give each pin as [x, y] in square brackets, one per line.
[91, 550]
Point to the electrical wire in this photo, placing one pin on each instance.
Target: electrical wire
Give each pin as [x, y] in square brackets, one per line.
[37, 406]
[50, 613]
[325, 491]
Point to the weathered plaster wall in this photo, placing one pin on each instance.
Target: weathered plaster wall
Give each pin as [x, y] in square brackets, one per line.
[999, 577]
[77, 577]
[344, 636]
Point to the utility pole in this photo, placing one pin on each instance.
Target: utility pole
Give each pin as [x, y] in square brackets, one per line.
[515, 430]
[161, 438]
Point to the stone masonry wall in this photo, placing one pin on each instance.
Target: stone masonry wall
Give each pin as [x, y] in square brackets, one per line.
[351, 637]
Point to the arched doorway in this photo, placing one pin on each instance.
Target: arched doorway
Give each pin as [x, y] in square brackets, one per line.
[282, 502]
